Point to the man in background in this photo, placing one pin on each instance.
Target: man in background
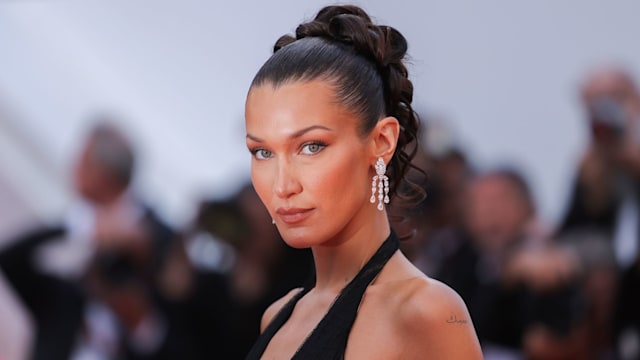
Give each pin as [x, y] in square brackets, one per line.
[605, 205]
[66, 274]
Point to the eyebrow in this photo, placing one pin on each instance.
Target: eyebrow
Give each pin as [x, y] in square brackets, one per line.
[296, 134]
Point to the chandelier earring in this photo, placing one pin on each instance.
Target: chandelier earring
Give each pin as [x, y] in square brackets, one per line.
[380, 184]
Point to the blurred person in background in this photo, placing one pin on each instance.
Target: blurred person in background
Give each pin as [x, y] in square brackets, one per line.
[605, 203]
[627, 314]
[598, 283]
[16, 343]
[48, 266]
[606, 192]
[435, 223]
[519, 286]
[262, 269]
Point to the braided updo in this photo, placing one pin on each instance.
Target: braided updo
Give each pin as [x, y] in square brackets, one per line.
[364, 62]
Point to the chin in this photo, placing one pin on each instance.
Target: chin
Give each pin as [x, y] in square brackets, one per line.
[300, 238]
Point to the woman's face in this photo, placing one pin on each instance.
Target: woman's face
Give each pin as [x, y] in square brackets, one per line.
[310, 166]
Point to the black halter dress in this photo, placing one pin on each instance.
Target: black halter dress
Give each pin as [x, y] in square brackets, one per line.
[329, 338]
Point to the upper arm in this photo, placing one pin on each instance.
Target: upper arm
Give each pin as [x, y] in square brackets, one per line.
[275, 308]
[438, 323]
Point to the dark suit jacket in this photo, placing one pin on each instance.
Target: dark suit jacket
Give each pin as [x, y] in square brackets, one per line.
[57, 304]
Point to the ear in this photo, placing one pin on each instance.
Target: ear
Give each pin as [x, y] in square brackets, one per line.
[385, 138]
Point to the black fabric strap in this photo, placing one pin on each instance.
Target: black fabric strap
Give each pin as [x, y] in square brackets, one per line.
[329, 338]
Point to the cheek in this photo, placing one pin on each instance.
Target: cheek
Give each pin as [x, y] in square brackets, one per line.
[342, 181]
[261, 183]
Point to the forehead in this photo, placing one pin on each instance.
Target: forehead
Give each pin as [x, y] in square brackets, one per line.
[497, 187]
[607, 83]
[298, 103]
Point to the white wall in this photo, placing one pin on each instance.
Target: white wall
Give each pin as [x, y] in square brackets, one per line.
[503, 72]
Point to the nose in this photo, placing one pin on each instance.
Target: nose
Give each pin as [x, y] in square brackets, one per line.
[286, 182]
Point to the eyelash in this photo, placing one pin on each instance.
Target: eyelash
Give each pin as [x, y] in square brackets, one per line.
[257, 151]
[320, 145]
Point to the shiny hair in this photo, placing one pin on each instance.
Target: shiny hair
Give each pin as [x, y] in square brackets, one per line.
[364, 63]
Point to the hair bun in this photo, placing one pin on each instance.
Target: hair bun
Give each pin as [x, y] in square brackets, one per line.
[364, 37]
[329, 12]
[283, 41]
[350, 25]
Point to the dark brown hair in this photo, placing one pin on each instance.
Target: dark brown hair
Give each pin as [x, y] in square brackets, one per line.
[364, 62]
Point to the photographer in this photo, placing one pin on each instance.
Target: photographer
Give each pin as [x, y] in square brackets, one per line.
[605, 195]
[605, 205]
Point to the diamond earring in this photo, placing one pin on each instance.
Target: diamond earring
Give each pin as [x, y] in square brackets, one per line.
[380, 181]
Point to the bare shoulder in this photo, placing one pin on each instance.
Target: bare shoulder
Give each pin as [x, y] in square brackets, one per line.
[435, 320]
[429, 299]
[275, 308]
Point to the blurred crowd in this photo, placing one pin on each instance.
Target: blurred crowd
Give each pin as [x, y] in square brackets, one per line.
[112, 280]
[537, 291]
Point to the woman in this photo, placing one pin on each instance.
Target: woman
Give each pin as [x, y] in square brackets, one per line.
[328, 120]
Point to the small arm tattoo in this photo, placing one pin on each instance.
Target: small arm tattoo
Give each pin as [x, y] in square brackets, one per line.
[454, 320]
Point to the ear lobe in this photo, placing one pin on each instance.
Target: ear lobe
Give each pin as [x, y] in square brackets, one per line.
[385, 138]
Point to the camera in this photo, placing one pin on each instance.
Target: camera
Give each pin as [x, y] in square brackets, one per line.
[606, 117]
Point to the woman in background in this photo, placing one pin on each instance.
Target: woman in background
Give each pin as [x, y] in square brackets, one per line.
[332, 132]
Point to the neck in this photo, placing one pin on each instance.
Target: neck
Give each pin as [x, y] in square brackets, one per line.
[340, 261]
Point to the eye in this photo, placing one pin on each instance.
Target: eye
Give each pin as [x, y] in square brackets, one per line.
[262, 154]
[312, 148]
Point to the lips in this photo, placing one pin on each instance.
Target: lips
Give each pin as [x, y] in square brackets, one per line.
[292, 216]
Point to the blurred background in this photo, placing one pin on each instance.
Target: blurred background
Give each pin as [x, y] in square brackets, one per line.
[151, 94]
